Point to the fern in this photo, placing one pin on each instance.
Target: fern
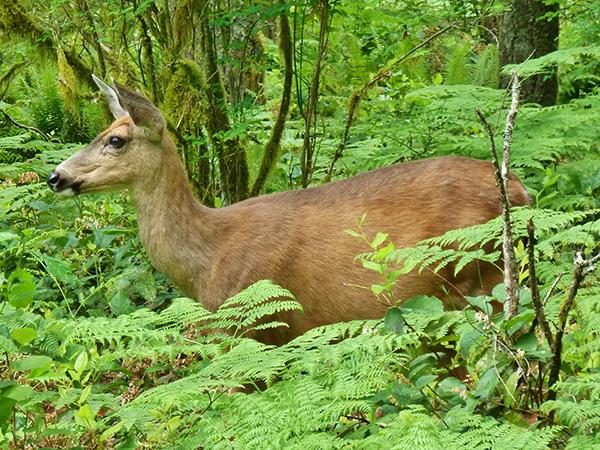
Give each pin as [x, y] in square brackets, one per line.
[457, 59]
[477, 432]
[544, 64]
[485, 71]
[244, 310]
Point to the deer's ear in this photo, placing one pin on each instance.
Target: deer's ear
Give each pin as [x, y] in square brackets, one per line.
[112, 98]
[124, 101]
[142, 111]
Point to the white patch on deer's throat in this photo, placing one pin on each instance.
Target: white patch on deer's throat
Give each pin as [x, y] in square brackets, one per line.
[67, 192]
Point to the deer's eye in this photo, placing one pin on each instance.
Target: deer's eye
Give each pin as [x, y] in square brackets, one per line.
[116, 141]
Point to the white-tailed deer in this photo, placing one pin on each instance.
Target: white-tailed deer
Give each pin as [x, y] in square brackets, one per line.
[295, 238]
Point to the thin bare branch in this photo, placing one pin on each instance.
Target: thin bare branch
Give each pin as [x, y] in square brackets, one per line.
[310, 118]
[533, 285]
[581, 268]
[357, 96]
[511, 304]
[25, 127]
[551, 290]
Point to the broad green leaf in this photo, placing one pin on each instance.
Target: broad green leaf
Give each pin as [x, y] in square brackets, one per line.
[510, 389]
[384, 252]
[19, 393]
[6, 405]
[22, 288]
[486, 385]
[173, 423]
[81, 362]
[469, 339]
[23, 335]
[424, 380]
[145, 286]
[33, 362]
[451, 388]
[520, 321]
[85, 417]
[393, 321]
[406, 394]
[371, 265]
[7, 236]
[59, 269]
[85, 394]
[379, 239]
[499, 293]
[528, 342]
[424, 304]
[481, 303]
[120, 304]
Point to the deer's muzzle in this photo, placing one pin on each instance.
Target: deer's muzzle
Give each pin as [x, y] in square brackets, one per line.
[62, 184]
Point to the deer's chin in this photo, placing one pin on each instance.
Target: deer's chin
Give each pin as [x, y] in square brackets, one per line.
[67, 192]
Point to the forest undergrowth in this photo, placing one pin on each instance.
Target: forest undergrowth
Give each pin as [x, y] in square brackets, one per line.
[98, 350]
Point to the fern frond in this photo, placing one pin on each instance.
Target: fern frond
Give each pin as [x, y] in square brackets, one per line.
[544, 64]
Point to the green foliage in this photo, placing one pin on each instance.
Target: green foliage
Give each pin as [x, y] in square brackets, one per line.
[579, 65]
[456, 62]
[99, 351]
[45, 102]
[485, 71]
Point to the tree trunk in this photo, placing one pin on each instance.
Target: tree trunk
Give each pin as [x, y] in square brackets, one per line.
[233, 166]
[272, 147]
[531, 26]
[92, 34]
[310, 118]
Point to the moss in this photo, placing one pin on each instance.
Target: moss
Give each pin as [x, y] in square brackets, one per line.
[271, 150]
[68, 84]
[183, 97]
[183, 23]
[185, 105]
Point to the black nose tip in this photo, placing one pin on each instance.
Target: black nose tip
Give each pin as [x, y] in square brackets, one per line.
[53, 180]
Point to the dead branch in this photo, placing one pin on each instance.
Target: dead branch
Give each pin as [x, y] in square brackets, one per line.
[357, 96]
[25, 127]
[511, 304]
[533, 286]
[581, 268]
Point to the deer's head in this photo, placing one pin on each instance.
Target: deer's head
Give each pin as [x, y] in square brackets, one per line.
[122, 156]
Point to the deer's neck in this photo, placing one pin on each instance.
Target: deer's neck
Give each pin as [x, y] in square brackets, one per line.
[176, 230]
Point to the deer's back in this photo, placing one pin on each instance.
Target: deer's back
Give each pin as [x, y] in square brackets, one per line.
[298, 239]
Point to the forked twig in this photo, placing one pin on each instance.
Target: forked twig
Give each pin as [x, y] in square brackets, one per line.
[511, 304]
[540, 315]
[581, 268]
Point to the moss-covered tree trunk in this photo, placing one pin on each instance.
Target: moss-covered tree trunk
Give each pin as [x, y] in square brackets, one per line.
[233, 165]
[272, 147]
[531, 27]
[15, 19]
[310, 116]
[184, 105]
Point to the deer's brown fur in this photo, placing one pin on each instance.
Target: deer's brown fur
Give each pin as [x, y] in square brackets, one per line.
[294, 238]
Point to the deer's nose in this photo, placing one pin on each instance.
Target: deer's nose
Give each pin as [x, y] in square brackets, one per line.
[53, 180]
